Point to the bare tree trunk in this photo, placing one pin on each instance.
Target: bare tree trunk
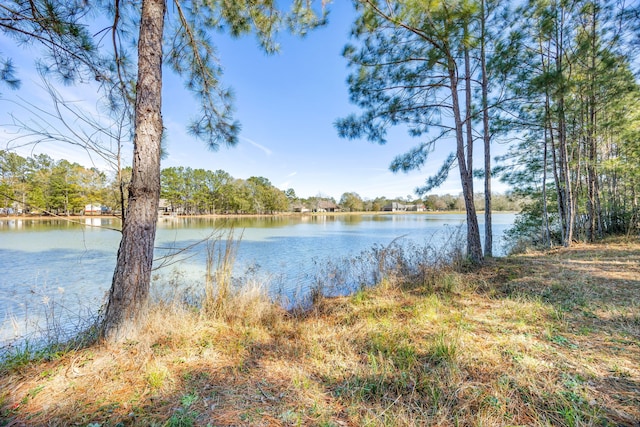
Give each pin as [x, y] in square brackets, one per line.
[592, 183]
[565, 175]
[474, 245]
[549, 132]
[468, 108]
[488, 232]
[545, 209]
[130, 286]
[560, 194]
[593, 199]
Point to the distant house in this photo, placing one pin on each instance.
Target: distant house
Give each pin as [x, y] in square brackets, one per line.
[93, 209]
[299, 207]
[416, 208]
[326, 206]
[164, 207]
[394, 207]
[399, 207]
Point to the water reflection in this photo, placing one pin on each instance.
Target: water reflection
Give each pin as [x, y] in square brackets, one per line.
[40, 224]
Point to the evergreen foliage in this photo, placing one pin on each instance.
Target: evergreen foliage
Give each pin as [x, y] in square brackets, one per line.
[574, 105]
[415, 64]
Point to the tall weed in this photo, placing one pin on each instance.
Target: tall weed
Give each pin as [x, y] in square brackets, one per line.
[218, 280]
[55, 323]
[402, 263]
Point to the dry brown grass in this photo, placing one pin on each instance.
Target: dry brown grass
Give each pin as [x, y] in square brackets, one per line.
[535, 339]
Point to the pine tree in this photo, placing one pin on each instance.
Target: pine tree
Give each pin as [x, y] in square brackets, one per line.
[413, 65]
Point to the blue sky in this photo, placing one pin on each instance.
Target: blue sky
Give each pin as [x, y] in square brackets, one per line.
[287, 104]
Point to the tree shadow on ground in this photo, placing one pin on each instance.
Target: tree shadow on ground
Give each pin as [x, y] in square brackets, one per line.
[594, 295]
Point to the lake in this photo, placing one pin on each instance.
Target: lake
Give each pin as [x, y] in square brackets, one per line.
[55, 272]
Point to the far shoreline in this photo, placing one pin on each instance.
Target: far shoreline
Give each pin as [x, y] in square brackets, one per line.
[231, 216]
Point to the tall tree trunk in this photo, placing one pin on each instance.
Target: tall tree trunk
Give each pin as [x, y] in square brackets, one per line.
[560, 194]
[474, 245]
[130, 286]
[592, 179]
[468, 107]
[549, 132]
[545, 210]
[488, 232]
[594, 228]
[565, 174]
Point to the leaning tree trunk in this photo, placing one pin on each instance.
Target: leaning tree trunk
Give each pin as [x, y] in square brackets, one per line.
[130, 286]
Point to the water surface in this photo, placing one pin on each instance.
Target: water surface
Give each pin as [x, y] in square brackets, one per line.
[64, 267]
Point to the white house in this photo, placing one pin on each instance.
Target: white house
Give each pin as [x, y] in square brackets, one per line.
[93, 209]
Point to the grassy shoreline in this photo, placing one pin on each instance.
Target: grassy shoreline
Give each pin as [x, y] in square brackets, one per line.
[535, 339]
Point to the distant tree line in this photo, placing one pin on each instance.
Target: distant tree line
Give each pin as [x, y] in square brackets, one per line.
[198, 191]
[40, 184]
[352, 202]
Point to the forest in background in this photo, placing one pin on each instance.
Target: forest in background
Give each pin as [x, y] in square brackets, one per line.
[555, 81]
[39, 185]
